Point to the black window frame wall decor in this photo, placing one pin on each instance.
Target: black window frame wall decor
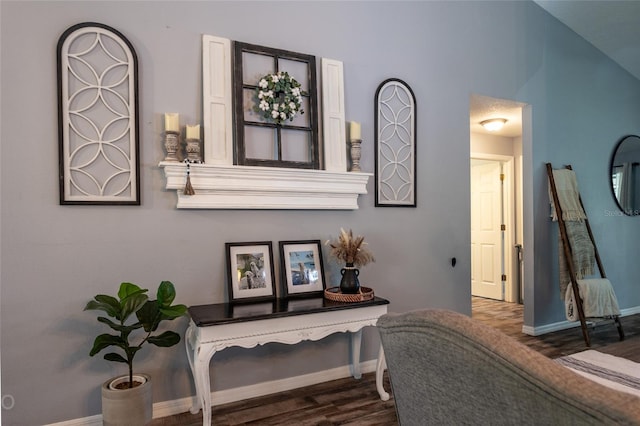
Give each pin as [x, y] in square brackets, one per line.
[240, 123]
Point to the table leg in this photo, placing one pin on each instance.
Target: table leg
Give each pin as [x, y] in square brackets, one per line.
[384, 395]
[189, 342]
[356, 343]
[199, 360]
[203, 383]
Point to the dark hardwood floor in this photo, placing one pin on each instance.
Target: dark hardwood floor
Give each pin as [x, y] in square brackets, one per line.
[508, 318]
[356, 402]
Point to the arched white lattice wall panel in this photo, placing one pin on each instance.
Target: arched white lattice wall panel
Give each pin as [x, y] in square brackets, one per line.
[395, 145]
[98, 117]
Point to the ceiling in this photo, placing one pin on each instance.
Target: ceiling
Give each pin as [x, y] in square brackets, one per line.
[484, 107]
[612, 26]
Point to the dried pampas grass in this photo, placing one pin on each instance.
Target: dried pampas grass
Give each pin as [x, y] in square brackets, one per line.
[351, 249]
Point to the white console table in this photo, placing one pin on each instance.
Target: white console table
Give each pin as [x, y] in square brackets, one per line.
[219, 326]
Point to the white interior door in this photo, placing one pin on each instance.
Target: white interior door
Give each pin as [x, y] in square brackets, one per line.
[487, 252]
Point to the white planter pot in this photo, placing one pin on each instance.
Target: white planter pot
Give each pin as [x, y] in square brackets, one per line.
[130, 407]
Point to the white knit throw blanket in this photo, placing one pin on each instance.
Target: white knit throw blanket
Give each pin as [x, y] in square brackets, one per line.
[598, 299]
[568, 196]
[584, 257]
[573, 216]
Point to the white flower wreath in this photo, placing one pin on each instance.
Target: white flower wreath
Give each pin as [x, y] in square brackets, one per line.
[279, 97]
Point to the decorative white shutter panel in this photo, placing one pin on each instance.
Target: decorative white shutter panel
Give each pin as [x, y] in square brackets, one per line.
[217, 105]
[335, 149]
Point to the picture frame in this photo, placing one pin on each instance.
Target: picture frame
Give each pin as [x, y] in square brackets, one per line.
[250, 274]
[302, 268]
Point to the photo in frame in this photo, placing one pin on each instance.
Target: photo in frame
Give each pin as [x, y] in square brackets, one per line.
[301, 268]
[250, 272]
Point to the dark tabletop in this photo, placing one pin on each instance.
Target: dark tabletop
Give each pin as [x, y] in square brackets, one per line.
[225, 313]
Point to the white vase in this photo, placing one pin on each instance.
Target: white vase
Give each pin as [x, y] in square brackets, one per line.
[131, 407]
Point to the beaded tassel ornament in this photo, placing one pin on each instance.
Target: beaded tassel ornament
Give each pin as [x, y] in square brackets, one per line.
[188, 188]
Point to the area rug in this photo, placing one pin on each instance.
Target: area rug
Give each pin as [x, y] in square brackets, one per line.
[615, 372]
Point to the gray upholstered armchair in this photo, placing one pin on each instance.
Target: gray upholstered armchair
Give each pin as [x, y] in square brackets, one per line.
[447, 369]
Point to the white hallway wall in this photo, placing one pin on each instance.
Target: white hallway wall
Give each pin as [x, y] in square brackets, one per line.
[55, 258]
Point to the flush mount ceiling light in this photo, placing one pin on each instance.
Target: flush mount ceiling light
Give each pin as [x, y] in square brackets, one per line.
[493, 124]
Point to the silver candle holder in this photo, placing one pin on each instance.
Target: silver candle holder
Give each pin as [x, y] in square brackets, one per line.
[355, 155]
[171, 144]
[192, 147]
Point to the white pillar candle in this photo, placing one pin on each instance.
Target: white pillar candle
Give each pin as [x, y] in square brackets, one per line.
[171, 122]
[354, 130]
[193, 132]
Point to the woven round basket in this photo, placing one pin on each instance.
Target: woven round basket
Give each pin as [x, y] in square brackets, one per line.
[333, 293]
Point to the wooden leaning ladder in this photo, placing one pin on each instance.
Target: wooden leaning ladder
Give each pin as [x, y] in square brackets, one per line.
[568, 254]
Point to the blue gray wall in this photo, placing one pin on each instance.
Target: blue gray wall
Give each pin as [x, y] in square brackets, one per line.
[55, 258]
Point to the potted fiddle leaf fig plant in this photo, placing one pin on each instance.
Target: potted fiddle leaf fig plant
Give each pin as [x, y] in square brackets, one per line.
[135, 320]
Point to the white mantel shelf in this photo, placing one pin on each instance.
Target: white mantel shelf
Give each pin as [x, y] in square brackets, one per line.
[219, 184]
[249, 187]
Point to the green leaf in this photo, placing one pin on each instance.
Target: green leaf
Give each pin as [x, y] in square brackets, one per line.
[108, 304]
[106, 340]
[131, 304]
[127, 289]
[149, 315]
[166, 293]
[109, 300]
[119, 327]
[115, 357]
[173, 312]
[166, 339]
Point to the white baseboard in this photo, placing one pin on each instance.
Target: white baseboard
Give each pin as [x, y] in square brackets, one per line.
[182, 405]
[630, 311]
[563, 325]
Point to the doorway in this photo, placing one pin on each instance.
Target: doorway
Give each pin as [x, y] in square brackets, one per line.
[495, 260]
[496, 203]
[490, 209]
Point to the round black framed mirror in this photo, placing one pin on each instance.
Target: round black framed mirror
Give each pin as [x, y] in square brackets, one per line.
[624, 171]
